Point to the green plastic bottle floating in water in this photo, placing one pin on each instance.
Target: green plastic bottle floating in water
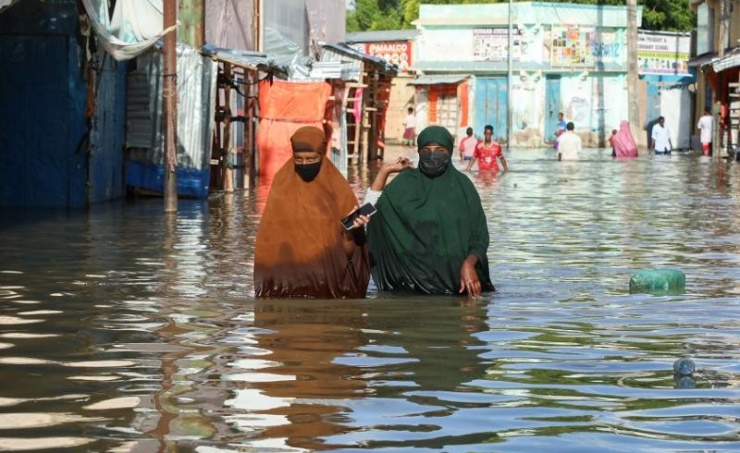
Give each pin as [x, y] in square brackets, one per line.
[658, 281]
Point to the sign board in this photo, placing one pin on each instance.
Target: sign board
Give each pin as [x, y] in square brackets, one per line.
[491, 44]
[583, 47]
[395, 52]
[663, 53]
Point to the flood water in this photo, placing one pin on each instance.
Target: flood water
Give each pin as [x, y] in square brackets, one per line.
[125, 331]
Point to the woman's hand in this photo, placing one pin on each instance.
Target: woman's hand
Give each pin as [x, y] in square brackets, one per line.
[469, 280]
[359, 222]
[399, 165]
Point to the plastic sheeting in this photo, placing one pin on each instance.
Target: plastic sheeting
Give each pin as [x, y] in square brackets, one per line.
[6, 3]
[136, 25]
[196, 86]
[284, 107]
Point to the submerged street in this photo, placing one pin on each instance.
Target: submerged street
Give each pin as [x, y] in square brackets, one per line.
[127, 331]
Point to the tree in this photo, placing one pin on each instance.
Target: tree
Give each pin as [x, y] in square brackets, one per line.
[665, 15]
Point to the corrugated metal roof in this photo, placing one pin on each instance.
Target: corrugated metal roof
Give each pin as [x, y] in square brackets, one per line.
[703, 59]
[382, 35]
[353, 54]
[350, 68]
[730, 60]
[244, 58]
[439, 79]
[321, 70]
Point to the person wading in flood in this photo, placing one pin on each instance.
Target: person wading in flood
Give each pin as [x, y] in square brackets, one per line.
[430, 233]
[302, 249]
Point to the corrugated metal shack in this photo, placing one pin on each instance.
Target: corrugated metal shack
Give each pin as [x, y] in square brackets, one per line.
[397, 47]
[363, 90]
[64, 76]
[62, 109]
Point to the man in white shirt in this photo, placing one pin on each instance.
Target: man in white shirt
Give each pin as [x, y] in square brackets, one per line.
[661, 138]
[569, 144]
[706, 122]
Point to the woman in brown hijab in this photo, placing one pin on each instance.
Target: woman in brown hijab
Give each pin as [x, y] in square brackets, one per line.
[302, 249]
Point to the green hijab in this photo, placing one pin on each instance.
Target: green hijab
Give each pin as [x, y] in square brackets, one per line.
[436, 134]
[426, 227]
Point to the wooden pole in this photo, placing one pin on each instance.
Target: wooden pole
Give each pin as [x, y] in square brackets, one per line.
[251, 140]
[169, 101]
[259, 24]
[227, 159]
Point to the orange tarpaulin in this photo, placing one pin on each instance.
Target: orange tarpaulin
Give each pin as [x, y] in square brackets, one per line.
[284, 107]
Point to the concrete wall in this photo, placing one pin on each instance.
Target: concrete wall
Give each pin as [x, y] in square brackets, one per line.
[402, 97]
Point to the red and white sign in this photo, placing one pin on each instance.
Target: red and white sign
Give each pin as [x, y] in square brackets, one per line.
[395, 52]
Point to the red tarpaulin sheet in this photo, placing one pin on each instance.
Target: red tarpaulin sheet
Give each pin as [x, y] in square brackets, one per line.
[285, 107]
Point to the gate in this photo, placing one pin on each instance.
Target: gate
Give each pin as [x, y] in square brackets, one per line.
[491, 98]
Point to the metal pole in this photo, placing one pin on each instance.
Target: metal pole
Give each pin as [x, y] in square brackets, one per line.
[509, 97]
[169, 101]
[721, 141]
[633, 106]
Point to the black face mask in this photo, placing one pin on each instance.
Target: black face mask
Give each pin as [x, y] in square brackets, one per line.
[433, 164]
[308, 172]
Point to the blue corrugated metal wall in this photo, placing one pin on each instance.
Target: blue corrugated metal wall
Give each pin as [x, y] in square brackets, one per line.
[44, 154]
[491, 98]
[34, 143]
[107, 135]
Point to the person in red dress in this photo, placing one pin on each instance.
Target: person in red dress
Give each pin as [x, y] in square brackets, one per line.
[487, 152]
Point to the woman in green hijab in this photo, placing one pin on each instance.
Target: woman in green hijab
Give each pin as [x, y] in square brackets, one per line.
[430, 233]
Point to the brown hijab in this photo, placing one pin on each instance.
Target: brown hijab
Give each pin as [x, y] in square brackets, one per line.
[300, 241]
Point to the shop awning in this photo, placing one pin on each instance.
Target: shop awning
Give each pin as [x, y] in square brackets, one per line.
[439, 79]
[245, 59]
[702, 60]
[380, 64]
[730, 60]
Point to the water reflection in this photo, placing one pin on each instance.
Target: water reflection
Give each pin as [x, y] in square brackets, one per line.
[123, 329]
[292, 383]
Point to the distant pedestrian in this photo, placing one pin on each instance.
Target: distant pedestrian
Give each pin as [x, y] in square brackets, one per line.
[559, 129]
[623, 144]
[486, 153]
[409, 128]
[705, 127]
[661, 138]
[467, 145]
[611, 142]
[569, 144]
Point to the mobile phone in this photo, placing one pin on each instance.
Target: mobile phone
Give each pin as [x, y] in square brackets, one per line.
[367, 209]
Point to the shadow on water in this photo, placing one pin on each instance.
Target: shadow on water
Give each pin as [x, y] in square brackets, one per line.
[124, 329]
